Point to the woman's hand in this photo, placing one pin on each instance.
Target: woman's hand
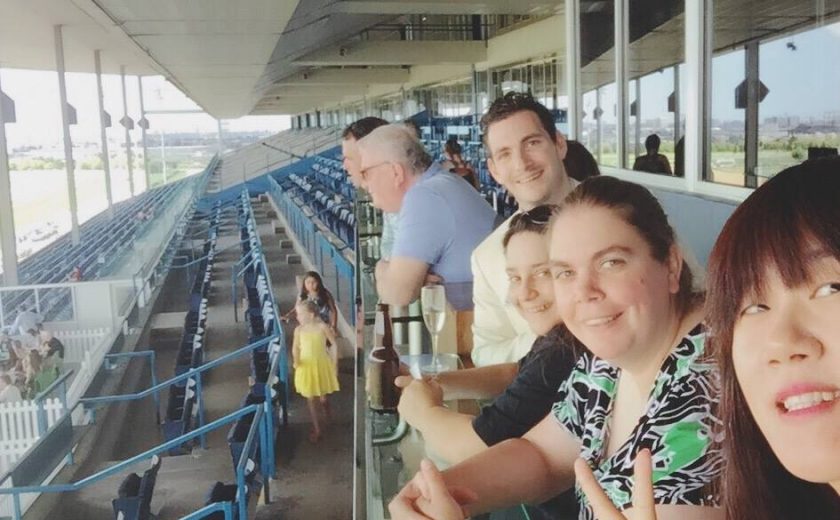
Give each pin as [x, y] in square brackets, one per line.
[602, 506]
[427, 497]
[418, 396]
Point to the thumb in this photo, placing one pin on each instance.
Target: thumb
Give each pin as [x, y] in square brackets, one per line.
[403, 381]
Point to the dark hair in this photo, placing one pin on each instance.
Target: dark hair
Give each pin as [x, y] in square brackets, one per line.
[536, 220]
[579, 163]
[511, 103]
[652, 142]
[323, 293]
[452, 146]
[771, 230]
[362, 127]
[640, 209]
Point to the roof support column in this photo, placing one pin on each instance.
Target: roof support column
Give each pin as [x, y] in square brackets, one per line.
[677, 129]
[103, 133]
[621, 29]
[68, 144]
[8, 241]
[575, 96]
[638, 140]
[698, 53]
[143, 125]
[220, 136]
[751, 116]
[127, 134]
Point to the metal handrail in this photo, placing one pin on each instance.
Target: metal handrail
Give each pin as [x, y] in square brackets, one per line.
[186, 375]
[204, 512]
[16, 491]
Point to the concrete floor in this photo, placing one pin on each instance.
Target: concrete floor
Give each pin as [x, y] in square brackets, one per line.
[314, 481]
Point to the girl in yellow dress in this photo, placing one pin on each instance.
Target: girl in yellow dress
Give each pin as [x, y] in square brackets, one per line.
[316, 366]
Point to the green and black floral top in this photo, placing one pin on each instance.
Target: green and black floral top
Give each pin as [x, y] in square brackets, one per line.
[678, 427]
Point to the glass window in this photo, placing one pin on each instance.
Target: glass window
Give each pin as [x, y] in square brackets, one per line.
[656, 49]
[775, 100]
[597, 78]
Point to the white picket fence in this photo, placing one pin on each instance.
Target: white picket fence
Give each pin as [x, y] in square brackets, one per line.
[84, 352]
[19, 428]
[76, 342]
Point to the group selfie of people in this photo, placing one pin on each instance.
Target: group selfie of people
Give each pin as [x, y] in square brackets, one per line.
[620, 380]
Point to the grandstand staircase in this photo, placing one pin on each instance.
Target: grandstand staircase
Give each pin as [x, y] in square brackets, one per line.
[314, 481]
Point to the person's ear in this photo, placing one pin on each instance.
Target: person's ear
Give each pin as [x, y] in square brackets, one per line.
[560, 145]
[675, 267]
[491, 166]
[400, 175]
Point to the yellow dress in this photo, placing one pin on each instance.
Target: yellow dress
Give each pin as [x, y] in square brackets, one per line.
[315, 374]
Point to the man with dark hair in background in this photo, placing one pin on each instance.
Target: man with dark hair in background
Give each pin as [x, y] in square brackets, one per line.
[525, 154]
[652, 161]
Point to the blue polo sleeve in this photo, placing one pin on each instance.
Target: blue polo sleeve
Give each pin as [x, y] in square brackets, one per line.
[426, 227]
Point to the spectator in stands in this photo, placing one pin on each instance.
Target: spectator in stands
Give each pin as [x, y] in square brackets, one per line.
[525, 154]
[75, 275]
[679, 158]
[316, 368]
[52, 352]
[26, 319]
[579, 163]
[350, 150]
[34, 378]
[456, 164]
[9, 393]
[312, 289]
[16, 359]
[5, 346]
[441, 219]
[31, 339]
[652, 161]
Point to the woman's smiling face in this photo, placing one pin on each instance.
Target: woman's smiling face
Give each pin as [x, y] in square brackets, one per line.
[786, 355]
[610, 291]
[530, 289]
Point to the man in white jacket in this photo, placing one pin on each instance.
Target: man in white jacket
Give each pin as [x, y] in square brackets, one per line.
[525, 155]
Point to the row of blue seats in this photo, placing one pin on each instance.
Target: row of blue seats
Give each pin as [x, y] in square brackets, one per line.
[101, 238]
[181, 406]
[135, 492]
[260, 320]
[337, 215]
[330, 172]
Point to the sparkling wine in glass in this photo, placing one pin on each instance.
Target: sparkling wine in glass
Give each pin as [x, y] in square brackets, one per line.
[433, 300]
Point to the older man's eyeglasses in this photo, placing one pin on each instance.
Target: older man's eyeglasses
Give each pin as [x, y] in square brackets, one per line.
[364, 173]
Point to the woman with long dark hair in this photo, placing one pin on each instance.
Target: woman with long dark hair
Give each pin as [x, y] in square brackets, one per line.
[312, 289]
[774, 307]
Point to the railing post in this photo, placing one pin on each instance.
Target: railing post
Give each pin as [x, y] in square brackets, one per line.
[268, 449]
[16, 500]
[200, 397]
[154, 384]
[42, 417]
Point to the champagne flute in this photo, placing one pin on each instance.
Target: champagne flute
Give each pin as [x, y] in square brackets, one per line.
[433, 300]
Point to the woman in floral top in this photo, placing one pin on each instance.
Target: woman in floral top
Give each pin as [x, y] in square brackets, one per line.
[623, 289]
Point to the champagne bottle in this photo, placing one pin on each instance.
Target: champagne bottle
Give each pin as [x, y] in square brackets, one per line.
[384, 360]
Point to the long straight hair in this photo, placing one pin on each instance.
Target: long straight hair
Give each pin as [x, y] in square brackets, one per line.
[323, 293]
[771, 230]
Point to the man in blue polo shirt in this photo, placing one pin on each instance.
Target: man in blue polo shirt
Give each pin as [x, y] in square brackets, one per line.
[441, 217]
